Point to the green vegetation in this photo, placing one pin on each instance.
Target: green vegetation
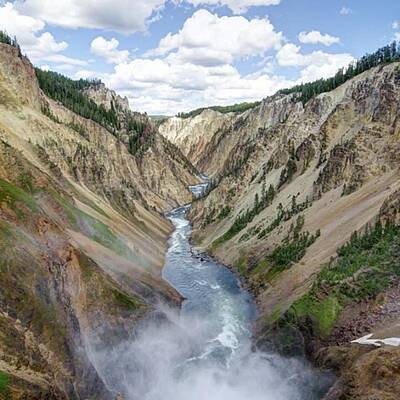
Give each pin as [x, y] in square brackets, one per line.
[324, 313]
[255, 230]
[140, 135]
[365, 266]
[13, 196]
[93, 228]
[292, 249]
[25, 182]
[267, 196]
[77, 128]
[6, 39]
[285, 215]
[216, 214]
[236, 108]
[225, 211]
[71, 94]
[125, 300]
[4, 383]
[384, 55]
[48, 113]
[241, 265]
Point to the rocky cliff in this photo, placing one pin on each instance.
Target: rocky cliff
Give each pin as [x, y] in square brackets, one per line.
[101, 94]
[82, 237]
[193, 135]
[292, 182]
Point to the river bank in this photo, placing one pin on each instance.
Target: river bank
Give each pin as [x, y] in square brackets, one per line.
[327, 324]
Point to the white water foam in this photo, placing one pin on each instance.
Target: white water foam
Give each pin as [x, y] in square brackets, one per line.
[204, 352]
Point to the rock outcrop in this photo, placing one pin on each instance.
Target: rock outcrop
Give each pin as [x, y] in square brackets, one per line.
[108, 98]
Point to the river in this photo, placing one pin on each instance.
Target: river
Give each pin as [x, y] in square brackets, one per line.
[204, 351]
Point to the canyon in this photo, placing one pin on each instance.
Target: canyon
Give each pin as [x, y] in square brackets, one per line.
[84, 237]
[300, 179]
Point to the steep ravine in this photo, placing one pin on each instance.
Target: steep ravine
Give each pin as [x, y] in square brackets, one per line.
[203, 351]
[293, 182]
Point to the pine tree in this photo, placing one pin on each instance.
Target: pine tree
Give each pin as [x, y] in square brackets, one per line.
[384, 55]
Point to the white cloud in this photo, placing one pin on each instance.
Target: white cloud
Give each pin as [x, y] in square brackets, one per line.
[397, 36]
[85, 74]
[207, 39]
[346, 11]
[193, 68]
[164, 86]
[62, 59]
[237, 6]
[28, 31]
[314, 37]
[108, 49]
[41, 47]
[125, 16]
[317, 64]
[188, 69]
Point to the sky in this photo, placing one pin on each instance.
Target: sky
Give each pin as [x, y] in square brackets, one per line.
[169, 56]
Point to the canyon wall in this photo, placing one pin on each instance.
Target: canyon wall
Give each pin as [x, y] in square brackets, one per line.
[82, 236]
[291, 183]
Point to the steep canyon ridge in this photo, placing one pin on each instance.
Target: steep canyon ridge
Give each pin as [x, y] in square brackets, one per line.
[301, 203]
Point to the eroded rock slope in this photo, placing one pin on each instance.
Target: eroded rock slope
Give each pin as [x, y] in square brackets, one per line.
[82, 237]
[291, 183]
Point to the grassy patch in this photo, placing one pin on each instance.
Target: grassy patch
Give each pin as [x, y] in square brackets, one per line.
[241, 265]
[13, 196]
[93, 228]
[26, 183]
[323, 313]
[366, 266]
[125, 300]
[4, 383]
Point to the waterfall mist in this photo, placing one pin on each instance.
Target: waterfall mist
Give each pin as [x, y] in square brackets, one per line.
[203, 351]
[166, 359]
